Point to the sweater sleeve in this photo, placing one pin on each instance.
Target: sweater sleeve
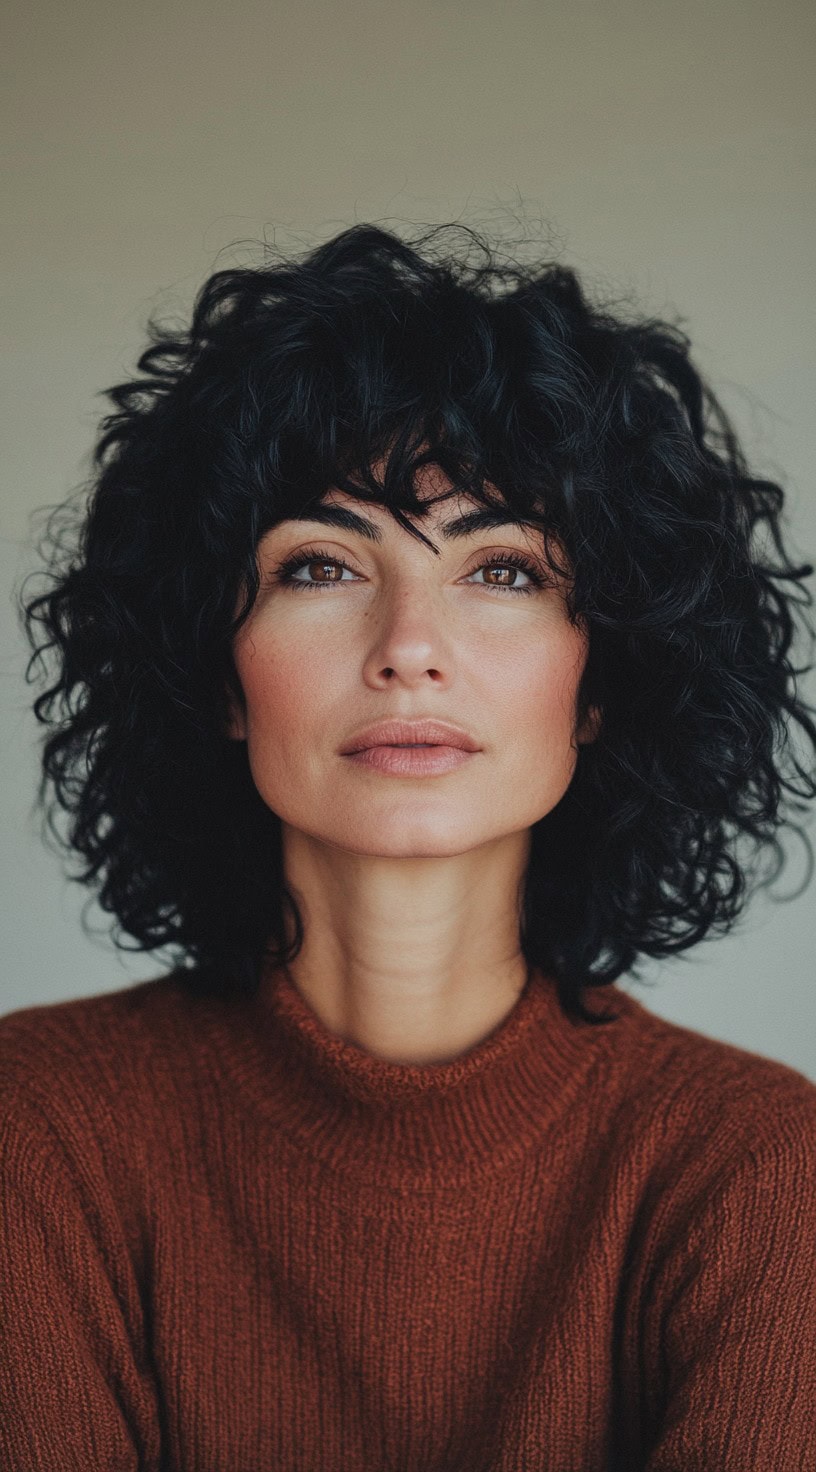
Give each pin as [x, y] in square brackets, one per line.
[71, 1391]
[730, 1321]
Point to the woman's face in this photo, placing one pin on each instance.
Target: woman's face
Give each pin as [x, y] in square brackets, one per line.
[399, 632]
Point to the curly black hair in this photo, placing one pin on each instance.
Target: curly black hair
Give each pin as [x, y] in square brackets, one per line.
[307, 373]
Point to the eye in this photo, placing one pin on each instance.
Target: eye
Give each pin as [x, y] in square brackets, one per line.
[286, 570]
[512, 561]
[515, 562]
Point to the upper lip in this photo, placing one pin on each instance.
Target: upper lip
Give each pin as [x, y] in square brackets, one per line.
[421, 729]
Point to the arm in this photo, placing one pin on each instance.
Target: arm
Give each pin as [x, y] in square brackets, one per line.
[71, 1390]
[730, 1320]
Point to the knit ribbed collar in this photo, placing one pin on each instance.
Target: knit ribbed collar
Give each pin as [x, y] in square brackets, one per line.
[408, 1125]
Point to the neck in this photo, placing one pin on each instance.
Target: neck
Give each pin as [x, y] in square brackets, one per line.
[415, 959]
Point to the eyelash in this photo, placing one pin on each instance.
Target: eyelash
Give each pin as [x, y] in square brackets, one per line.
[292, 565]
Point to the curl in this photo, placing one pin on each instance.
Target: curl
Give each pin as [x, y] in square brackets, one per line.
[307, 373]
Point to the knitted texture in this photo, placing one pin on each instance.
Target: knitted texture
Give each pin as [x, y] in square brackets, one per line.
[231, 1241]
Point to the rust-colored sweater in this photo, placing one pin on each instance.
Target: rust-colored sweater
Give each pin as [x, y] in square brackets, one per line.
[233, 1242]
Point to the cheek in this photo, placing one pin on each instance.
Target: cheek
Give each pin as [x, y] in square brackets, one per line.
[289, 696]
[544, 698]
[540, 676]
[284, 684]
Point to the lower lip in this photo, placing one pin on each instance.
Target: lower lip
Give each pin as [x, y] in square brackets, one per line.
[418, 761]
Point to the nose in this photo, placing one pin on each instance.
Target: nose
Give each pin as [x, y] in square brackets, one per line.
[411, 643]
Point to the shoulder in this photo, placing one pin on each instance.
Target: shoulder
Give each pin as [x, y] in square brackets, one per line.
[64, 1037]
[716, 1303]
[714, 1146]
[694, 1099]
[81, 1070]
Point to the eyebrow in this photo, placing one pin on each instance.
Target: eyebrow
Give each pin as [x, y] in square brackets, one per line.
[459, 526]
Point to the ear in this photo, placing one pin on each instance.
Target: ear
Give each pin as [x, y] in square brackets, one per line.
[236, 722]
[591, 726]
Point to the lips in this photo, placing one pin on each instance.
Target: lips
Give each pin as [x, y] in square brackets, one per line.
[417, 732]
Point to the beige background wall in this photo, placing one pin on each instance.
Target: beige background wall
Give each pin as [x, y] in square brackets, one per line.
[669, 149]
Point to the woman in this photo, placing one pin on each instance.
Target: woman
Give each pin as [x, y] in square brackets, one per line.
[418, 673]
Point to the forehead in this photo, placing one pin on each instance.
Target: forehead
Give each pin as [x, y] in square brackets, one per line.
[450, 516]
[441, 499]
